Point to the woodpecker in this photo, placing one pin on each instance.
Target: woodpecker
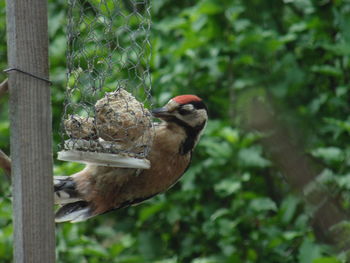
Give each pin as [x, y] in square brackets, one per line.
[99, 189]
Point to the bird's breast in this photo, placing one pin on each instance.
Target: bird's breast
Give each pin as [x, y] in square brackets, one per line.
[167, 165]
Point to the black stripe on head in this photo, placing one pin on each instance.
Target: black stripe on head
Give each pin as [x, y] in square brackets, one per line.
[199, 105]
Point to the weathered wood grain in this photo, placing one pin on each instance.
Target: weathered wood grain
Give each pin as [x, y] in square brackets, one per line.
[30, 121]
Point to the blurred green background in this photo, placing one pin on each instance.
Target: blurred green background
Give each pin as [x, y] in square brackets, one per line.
[233, 204]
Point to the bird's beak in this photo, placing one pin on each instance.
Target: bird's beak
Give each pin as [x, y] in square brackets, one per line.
[161, 112]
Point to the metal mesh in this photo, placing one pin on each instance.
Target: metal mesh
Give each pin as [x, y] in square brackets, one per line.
[108, 79]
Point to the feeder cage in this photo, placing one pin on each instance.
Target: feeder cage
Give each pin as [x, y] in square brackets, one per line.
[105, 120]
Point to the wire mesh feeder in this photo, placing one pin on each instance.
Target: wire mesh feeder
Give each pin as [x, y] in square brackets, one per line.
[108, 66]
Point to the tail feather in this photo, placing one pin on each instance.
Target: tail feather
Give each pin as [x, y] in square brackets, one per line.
[74, 212]
[73, 208]
[65, 190]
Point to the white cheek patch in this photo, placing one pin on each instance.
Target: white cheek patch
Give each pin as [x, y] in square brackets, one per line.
[194, 119]
[201, 116]
[179, 116]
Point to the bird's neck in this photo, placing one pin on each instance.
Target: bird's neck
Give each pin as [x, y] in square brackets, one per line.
[191, 135]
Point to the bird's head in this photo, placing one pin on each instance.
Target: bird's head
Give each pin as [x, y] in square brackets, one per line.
[188, 112]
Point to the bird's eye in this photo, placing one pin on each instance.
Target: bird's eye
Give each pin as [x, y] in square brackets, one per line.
[184, 111]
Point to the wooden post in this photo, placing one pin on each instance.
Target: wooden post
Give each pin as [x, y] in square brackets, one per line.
[31, 132]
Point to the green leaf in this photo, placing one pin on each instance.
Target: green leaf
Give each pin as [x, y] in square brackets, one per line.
[326, 260]
[329, 153]
[169, 260]
[308, 251]
[150, 210]
[327, 70]
[263, 204]
[210, 7]
[252, 157]
[344, 181]
[341, 49]
[229, 134]
[227, 187]
[206, 260]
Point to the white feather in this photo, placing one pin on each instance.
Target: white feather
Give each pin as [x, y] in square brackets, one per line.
[76, 216]
[62, 198]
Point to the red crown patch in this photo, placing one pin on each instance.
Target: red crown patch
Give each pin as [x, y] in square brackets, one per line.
[184, 99]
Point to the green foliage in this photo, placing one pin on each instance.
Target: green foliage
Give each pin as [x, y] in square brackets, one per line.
[233, 204]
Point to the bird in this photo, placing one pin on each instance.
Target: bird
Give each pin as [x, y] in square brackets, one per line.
[98, 189]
